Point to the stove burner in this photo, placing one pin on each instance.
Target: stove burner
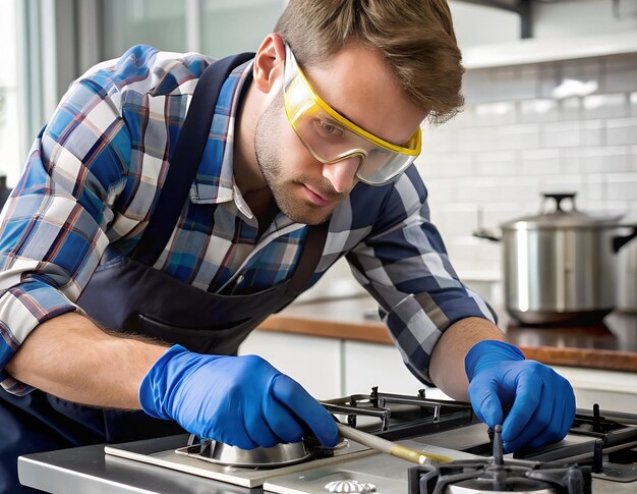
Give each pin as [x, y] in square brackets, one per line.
[394, 416]
[224, 454]
[495, 476]
[277, 456]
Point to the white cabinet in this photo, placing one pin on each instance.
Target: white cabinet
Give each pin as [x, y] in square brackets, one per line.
[315, 363]
[369, 364]
[330, 368]
[610, 389]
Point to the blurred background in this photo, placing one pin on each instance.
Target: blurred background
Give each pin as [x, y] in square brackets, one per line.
[550, 87]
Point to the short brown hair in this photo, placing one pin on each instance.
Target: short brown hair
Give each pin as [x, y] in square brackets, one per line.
[415, 37]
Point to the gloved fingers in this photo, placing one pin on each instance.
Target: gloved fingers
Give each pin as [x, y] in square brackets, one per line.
[293, 396]
[485, 401]
[281, 422]
[257, 426]
[561, 418]
[527, 423]
[531, 410]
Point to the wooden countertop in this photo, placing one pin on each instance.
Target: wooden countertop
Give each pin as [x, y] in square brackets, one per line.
[611, 345]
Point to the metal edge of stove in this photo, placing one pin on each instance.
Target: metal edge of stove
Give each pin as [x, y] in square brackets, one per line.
[86, 469]
[383, 474]
[167, 458]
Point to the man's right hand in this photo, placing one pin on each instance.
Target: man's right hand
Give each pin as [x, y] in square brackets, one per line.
[241, 401]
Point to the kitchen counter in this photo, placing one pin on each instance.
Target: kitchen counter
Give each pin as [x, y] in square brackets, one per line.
[608, 346]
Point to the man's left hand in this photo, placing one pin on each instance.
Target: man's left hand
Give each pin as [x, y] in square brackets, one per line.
[542, 403]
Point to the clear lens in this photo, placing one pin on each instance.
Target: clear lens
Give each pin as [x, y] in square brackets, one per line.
[330, 137]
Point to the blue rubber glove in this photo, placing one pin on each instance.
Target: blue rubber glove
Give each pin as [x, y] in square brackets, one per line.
[241, 401]
[542, 403]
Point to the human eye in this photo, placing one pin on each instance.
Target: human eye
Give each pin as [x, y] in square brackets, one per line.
[328, 128]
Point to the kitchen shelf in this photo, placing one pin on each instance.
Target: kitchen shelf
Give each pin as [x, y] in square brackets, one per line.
[532, 50]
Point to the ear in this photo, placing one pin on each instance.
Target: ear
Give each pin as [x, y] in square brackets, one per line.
[269, 63]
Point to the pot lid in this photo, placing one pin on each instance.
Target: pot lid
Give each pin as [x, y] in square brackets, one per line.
[560, 217]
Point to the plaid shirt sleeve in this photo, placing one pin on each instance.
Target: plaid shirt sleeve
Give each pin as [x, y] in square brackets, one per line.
[404, 265]
[54, 226]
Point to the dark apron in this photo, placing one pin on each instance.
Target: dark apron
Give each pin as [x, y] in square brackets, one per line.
[132, 297]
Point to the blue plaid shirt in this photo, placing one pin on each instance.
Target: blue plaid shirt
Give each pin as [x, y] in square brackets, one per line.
[93, 178]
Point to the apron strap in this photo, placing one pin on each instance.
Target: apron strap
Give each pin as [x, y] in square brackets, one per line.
[310, 257]
[186, 159]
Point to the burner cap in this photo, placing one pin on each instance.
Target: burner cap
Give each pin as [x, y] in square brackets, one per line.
[224, 454]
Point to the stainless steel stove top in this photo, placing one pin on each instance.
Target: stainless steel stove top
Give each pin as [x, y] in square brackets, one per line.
[602, 444]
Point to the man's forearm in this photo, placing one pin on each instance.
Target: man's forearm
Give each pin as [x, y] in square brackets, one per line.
[446, 367]
[70, 357]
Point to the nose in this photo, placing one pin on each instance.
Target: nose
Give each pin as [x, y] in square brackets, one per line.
[342, 174]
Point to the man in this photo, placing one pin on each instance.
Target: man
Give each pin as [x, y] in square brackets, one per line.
[127, 287]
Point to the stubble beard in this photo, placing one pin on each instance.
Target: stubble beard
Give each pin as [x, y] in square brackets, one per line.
[268, 155]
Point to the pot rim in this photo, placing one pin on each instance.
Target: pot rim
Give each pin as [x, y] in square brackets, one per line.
[530, 226]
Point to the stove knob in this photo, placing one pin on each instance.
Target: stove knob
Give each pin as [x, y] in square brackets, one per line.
[350, 486]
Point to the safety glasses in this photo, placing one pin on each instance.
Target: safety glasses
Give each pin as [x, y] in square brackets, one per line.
[330, 137]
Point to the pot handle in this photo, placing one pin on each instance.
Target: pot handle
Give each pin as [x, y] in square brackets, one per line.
[558, 197]
[620, 240]
[486, 234]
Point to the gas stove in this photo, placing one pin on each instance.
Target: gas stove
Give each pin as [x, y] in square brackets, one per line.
[599, 449]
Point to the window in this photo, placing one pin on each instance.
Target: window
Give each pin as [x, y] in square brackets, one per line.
[11, 151]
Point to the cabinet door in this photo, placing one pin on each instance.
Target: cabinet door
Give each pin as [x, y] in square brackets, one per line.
[313, 362]
[611, 390]
[370, 364]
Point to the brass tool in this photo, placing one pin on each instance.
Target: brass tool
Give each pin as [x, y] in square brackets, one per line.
[389, 447]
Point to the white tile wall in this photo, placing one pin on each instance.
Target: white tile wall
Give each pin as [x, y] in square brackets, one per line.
[514, 140]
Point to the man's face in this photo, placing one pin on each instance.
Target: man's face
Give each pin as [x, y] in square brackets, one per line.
[357, 84]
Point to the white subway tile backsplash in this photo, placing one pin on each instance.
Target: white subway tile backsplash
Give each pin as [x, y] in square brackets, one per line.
[539, 110]
[515, 83]
[593, 133]
[620, 73]
[475, 84]
[621, 131]
[587, 70]
[548, 79]
[496, 168]
[483, 190]
[472, 255]
[457, 219]
[594, 187]
[621, 187]
[522, 136]
[570, 108]
[499, 113]
[514, 140]
[438, 139]
[540, 162]
[606, 106]
[596, 160]
[564, 182]
[445, 165]
[496, 214]
[442, 191]
[476, 139]
[562, 134]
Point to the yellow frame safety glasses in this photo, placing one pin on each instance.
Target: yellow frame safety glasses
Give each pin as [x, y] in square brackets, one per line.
[330, 137]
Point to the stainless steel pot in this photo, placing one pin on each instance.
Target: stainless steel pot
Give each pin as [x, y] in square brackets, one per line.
[561, 266]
